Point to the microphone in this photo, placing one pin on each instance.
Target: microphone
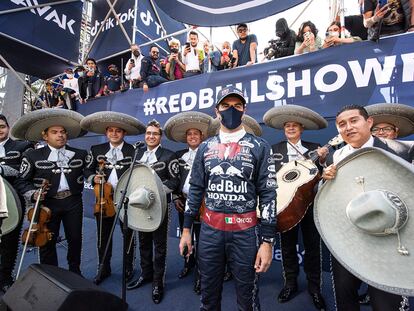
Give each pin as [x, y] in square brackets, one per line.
[139, 144]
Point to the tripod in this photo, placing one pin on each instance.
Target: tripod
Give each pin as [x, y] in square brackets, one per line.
[122, 203]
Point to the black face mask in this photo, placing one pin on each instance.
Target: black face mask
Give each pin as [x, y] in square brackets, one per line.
[136, 53]
[113, 72]
[231, 118]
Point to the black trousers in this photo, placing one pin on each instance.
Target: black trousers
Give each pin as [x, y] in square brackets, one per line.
[103, 238]
[154, 266]
[312, 258]
[347, 297]
[192, 261]
[69, 211]
[9, 247]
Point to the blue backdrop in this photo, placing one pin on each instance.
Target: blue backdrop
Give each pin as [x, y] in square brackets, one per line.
[31, 35]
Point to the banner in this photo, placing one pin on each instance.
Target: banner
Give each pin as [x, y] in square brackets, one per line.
[223, 13]
[359, 73]
[48, 34]
[112, 40]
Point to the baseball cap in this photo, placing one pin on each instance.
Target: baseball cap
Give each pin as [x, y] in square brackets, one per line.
[241, 25]
[230, 91]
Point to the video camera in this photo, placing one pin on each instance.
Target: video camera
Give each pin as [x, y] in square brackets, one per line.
[273, 49]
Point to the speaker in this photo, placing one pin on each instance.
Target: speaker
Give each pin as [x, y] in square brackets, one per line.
[47, 288]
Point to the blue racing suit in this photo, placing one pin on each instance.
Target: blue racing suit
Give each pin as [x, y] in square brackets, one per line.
[231, 177]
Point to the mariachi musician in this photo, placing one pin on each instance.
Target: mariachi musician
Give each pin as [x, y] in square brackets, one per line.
[191, 128]
[391, 121]
[294, 120]
[105, 164]
[11, 152]
[62, 166]
[164, 162]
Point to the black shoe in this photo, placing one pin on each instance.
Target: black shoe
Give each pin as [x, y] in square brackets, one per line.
[138, 282]
[184, 272]
[286, 294]
[157, 294]
[99, 278]
[364, 299]
[128, 275]
[318, 301]
[227, 276]
[197, 286]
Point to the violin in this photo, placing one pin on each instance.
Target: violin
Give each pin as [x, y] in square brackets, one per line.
[104, 205]
[37, 235]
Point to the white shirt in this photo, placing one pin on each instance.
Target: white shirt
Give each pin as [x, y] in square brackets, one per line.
[71, 84]
[191, 61]
[113, 177]
[62, 161]
[149, 156]
[2, 150]
[188, 157]
[293, 153]
[348, 149]
[134, 73]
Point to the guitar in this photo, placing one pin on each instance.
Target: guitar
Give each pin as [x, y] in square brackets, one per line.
[296, 181]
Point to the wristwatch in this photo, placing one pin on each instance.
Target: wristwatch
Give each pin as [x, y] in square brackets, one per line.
[271, 241]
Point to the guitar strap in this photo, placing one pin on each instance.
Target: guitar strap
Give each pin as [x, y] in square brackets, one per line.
[297, 150]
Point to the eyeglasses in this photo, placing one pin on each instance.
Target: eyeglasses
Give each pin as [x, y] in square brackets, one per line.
[387, 129]
[225, 106]
[240, 30]
[152, 134]
[154, 52]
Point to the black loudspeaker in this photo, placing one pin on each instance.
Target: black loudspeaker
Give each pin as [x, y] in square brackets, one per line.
[47, 288]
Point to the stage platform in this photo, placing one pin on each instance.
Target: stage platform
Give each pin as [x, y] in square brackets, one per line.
[179, 295]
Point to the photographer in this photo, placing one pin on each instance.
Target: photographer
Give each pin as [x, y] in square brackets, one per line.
[227, 60]
[92, 83]
[333, 36]
[307, 39]
[285, 45]
[133, 67]
[174, 66]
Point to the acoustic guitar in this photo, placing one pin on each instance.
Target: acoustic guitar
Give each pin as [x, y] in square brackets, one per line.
[296, 181]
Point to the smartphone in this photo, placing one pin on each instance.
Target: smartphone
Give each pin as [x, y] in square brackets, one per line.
[187, 45]
[382, 2]
[132, 61]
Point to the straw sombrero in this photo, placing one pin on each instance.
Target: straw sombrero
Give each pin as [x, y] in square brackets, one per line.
[278, 116]
[98, 122]
[365, 217]
[31, 125]
[177, 126]
[399, 115]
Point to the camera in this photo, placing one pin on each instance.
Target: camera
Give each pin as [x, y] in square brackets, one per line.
[273, 49]
[174, 50]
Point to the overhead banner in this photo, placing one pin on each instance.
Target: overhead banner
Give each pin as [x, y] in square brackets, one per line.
[112, 40]
[359, 73]
[50, 33]
[223, 13]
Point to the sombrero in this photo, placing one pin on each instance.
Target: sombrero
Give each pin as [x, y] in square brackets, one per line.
[177, 126]
[399, 115]
[365, 217]
[31, 125]
[98, 122]
[147, 205]
[250, 125]
[278, 116]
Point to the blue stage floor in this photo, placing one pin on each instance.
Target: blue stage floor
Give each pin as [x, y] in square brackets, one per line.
[179, 295]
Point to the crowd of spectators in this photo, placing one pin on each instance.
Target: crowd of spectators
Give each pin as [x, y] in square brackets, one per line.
[183, 61]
